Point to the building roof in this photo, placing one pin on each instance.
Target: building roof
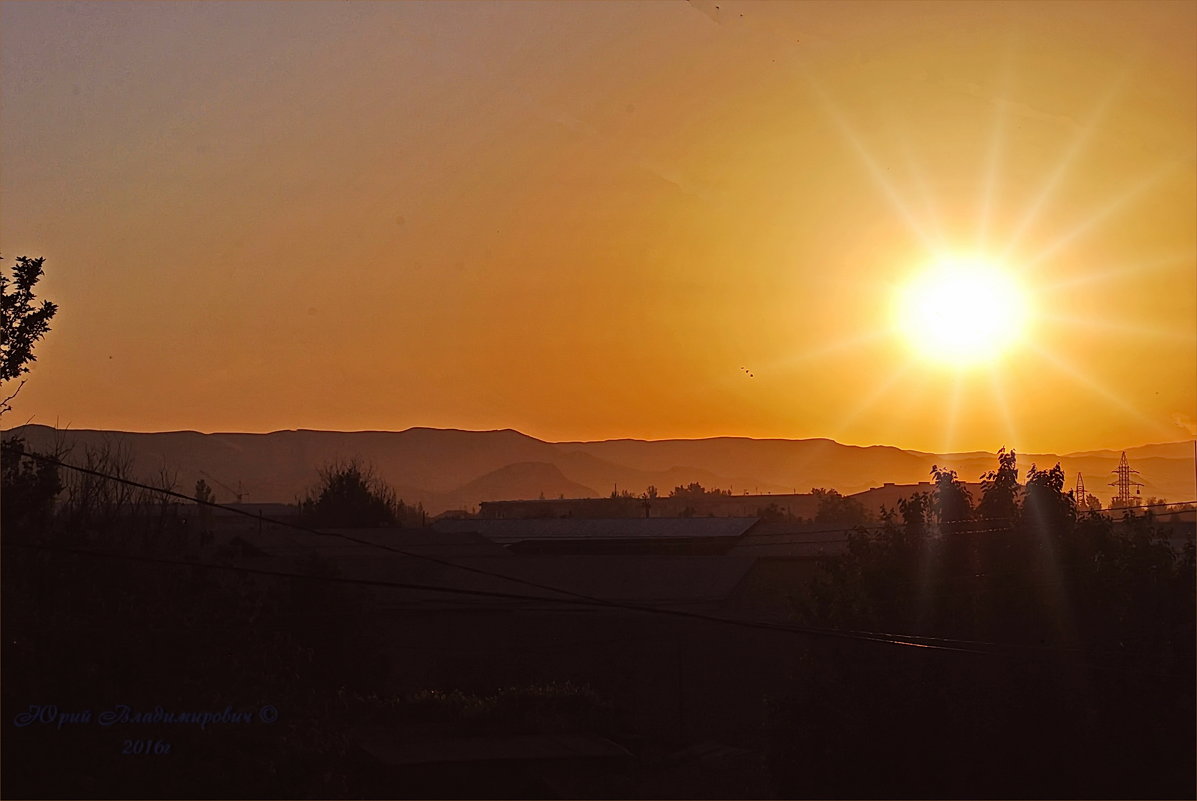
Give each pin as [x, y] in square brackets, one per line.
[777, 541]
[889, 493]
[471, 563]
[640, 579]
[574, 528]
[361, 560]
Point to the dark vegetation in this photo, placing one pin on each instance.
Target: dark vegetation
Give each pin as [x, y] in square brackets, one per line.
[1082, 679]
[833, 511]
[90, 631]
[695, 490]
[351, 495]
[1073, 674]
[24, 322]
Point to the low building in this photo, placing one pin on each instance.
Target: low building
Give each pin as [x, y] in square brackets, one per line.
[674, 535]
[706, 505]
[889, 493]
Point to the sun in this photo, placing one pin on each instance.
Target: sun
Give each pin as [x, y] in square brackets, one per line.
[962, 311]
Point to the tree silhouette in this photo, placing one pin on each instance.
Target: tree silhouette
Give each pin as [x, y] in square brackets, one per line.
[772, 512]
[999, 489]
[917, 516]
[952, 502]
[24, 323]
[203, 493]
[834, 509]
[29, 488]
[351, 495]
[695, 490]
[1045, 505]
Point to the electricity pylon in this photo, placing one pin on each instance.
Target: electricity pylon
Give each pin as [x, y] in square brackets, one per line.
[1124, 482]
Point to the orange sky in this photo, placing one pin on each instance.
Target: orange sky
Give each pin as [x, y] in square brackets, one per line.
[582, 220]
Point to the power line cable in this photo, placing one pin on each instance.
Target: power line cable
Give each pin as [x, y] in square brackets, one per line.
[969, 647]
[894, 639]
[309, 530]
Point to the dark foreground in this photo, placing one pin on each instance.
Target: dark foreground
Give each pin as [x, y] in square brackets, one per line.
[1047, 655]
[534, 703]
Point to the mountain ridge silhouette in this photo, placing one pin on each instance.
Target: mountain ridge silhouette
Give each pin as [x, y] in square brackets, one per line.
[459, 468]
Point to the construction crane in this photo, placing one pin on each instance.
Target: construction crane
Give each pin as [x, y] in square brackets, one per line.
[238, 493]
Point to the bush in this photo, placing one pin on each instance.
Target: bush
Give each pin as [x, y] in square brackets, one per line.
[350, 495]
[30, 487]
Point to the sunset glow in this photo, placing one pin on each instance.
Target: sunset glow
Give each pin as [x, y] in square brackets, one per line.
[599, 398]
[582, 220]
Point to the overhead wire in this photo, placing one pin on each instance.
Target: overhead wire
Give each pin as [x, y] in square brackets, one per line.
[764, 625]
[572, 598]
[967, 647]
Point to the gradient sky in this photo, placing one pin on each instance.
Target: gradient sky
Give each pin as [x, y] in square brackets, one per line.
[583, 220]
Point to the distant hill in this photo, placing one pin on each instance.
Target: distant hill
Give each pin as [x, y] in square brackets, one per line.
[449, 468]
[1166, 450]
[768, 465]
[520, 480]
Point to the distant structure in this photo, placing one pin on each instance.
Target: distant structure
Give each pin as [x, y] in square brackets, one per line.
[708, 505]
[1124, 482]
[1079, 494]
[238, 493]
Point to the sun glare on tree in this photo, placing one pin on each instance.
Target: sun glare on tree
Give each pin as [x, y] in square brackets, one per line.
[962, 312]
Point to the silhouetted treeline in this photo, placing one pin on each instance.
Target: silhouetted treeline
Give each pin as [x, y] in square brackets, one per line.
[1083, 684]
[695, 490]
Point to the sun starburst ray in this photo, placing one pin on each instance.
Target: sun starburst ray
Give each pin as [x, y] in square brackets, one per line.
[993, 159]
[1136, 269]
[837, 347]
[1075, 322]
[917, 179]
[1001, 400]
[874, 169]
[1113, 206]
[869, 401]
[1047, 191]
[952, 418]
[1098, 389]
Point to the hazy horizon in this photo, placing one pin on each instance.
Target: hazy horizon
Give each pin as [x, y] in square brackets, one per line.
[942, 226]
[571, 440]
[648, 440]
